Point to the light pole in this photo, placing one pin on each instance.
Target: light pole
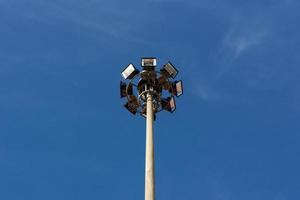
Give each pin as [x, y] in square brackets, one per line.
[149, 164]
[148, 92]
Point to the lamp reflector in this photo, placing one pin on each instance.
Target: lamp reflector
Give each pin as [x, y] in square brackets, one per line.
[170, 70]
[177, 88]
[172, 104]
[129, 72]
[149, 62]
[169, 104]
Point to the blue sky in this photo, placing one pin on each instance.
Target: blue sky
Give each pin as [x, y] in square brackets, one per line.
[64, 133]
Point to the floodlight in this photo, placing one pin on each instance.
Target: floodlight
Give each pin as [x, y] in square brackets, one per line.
[132, 105]
[164, 82]
[168, 104]
[125, 90]
[169, 70]
[177, 88]
[130, 108]
[129, 72]
[149, 63]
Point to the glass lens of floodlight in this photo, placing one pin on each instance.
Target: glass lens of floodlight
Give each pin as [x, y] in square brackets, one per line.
[172, 71]
[148, 62]
[172, 104]
[129, 71]
[168, 104]
[179, 88]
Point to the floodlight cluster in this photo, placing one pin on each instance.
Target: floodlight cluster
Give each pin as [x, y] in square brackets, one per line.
[160, 84]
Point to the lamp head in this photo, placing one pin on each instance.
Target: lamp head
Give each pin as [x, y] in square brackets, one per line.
[149, 63]
[169, 104]
[169, 70]
[129, 72]
[125, 90]
[176, 88]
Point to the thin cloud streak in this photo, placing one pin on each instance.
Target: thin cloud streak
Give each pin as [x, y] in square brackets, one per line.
[242, 36]
[105, 17]
[248, 33]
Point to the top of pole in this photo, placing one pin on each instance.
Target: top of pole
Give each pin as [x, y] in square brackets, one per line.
[160, 84]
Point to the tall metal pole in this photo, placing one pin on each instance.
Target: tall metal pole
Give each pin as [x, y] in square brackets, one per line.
[160, 91]
[149, 167]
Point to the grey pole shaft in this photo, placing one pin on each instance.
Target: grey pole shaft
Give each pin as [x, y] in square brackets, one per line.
[149, 170]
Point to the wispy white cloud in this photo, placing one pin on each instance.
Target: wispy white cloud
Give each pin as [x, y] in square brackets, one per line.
[247, 33]
[206, 93]
[108, 18]
[238, 43]
[243, 35]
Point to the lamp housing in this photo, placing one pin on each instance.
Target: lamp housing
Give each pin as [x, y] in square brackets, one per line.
[129, 72]
[169, 70]
[177, 88]
[149, 63]
[125, 90]
[169, 104]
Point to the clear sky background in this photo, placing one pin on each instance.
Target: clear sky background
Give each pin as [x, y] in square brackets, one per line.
[64, 133]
